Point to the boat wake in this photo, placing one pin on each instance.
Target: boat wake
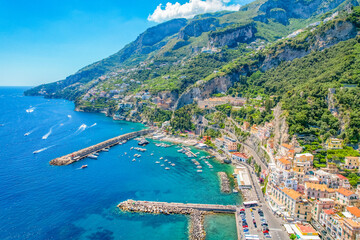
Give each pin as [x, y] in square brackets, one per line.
[41, 150]
[81, 128]
[30, 110]
[93, 125]
[30, 132]
[48, 134]
[69, 116]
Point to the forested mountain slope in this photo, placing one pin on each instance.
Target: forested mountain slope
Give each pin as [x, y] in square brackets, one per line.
[171, 48]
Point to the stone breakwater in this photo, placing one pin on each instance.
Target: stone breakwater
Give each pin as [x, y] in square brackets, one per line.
[224, 182]
[83, 153]
[196, 212]
[197, 231]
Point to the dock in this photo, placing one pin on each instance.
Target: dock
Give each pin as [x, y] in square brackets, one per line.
[188, 151]
[83, 153]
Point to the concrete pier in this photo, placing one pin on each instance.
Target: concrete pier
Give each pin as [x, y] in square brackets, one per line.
[83, 153]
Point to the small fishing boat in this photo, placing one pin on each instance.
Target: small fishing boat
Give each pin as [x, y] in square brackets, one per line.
[173, 164]
[161, 158]
[84, 166]
[199, 167]
[152, 154]
[162, 165]
[131, 148]
[199, 170]
[134, 160]
[165, 160]
[157, 162]
[167, 168]
[105, 149]
[92, 156]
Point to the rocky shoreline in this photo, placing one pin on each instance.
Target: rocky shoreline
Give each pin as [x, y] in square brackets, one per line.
[224, 182]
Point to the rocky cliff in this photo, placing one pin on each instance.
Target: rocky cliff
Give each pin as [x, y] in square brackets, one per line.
[233, 36]
[324, 37]
[196, 27]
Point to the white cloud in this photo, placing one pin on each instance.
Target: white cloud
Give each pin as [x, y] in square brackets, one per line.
[190, 9]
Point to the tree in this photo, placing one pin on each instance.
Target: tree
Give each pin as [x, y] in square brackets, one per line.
[292, 236]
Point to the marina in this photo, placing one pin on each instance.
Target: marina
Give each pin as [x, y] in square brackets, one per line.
[103, 146]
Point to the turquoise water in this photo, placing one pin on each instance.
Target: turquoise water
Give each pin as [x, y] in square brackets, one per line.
[220, 226]
[39, 201]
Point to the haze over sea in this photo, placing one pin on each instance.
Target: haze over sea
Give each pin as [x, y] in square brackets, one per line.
[39, 201]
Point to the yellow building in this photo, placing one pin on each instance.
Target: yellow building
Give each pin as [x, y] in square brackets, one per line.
[352, 162]
[334, 143]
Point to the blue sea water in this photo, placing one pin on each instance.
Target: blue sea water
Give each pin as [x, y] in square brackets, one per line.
[39, 201]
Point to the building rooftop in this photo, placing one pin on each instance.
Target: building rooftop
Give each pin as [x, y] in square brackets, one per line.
[345, 192]
[291, 193]
[303, 154]
[354, 211]
[319, 187]
[341, 176]
[284, 161]
[242, 155]
[288, 146]
[306, 229]
[328, 211]
[352, 223]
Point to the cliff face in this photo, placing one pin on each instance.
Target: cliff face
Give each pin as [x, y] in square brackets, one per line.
[339, 31]
[233, 36]
[202, 91]
[298, 8]
[196, 27]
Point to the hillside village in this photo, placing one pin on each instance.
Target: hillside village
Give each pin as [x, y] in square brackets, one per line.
[287, 121]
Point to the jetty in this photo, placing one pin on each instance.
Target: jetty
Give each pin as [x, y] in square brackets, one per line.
[196, 212]
[83, 153]
[174, 208]
[188, 151]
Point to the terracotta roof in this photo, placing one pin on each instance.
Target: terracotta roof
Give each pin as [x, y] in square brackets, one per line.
[352, 223]
[306, 228]
[341, 176]
[354, 211]
[242, 155]
[329, 211]
[291, 193]
[319, 187]
[345, 192]
[284, 161]
[288, 146]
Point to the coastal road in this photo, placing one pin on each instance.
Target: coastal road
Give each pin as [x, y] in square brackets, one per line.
[276, 224]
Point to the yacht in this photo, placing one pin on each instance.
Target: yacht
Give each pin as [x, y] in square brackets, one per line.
[92, 156]
[143, 142]
[83, 166]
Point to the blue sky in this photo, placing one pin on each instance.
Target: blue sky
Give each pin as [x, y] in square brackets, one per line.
[44, 41]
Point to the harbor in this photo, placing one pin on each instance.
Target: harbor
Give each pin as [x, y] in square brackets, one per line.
[92, 150]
